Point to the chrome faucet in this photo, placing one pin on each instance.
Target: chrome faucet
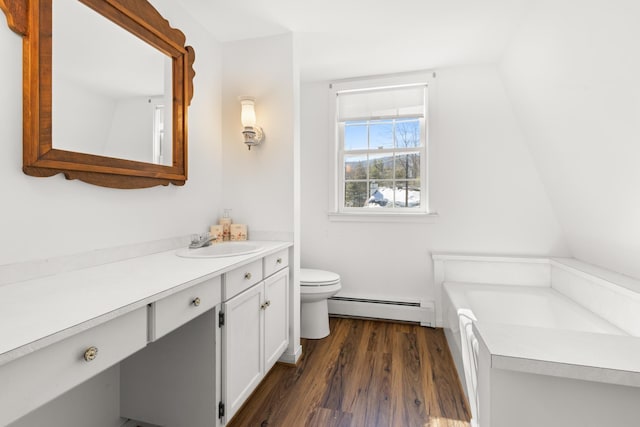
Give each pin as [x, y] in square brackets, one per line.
[200, 240]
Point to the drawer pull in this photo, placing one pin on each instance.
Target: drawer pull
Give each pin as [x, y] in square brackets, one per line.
[91, 353]
[247, 276]
[196, 302]
[279, 261]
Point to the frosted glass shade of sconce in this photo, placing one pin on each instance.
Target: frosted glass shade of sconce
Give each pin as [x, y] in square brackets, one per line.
[253, 134]
[248, 114]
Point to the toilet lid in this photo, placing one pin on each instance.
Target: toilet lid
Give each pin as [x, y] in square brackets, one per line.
[312, 277]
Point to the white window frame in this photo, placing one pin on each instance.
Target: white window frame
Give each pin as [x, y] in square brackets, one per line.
[337, 210]
[158, 134]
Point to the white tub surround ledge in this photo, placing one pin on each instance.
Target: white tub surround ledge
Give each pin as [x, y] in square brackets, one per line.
[612, 359]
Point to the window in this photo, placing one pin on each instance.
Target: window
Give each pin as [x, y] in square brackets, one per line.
[381, 145]
[158, 134]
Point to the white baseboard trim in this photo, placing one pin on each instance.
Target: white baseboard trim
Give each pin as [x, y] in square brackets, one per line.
[291, 358]
[406, 311]
[134, 423]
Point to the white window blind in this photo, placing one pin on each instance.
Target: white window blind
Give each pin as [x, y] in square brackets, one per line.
[383, 103]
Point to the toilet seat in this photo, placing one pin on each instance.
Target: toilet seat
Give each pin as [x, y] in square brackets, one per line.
[313, 277]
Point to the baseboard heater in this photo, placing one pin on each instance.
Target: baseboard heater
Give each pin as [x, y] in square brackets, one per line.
[407, 311]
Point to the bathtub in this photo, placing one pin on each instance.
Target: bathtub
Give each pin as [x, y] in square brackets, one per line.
[508, 318]
[543, 307]
[533, 306]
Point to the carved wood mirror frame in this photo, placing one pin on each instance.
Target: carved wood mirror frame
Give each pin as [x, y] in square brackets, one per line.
[32, 19]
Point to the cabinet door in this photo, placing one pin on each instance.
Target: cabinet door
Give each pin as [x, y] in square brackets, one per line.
[276, 317]
[242, 347]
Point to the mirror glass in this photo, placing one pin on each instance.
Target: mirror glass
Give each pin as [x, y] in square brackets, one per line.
[111, 91]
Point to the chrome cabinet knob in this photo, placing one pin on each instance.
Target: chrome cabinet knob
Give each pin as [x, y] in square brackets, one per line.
[279, 261]
[268, 303]
[263, 306]
[247, 276]
[196, 302]
[91, 353]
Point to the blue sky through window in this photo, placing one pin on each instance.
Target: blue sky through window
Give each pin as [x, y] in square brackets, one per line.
[379, 134]
[355, 137]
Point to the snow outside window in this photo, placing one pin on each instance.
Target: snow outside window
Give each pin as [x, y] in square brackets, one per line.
[381, 147]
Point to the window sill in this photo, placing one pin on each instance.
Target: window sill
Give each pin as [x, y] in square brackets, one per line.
[424, 218]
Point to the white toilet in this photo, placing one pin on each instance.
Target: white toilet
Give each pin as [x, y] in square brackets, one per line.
[316, 286]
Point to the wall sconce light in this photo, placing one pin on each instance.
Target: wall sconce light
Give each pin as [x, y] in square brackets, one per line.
[253, 134]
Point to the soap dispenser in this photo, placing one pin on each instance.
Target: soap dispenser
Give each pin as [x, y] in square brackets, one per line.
[225, 222]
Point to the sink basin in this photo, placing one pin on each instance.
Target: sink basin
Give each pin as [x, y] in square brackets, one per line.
[219, 250]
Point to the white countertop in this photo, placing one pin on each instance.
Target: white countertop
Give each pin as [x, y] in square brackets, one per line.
[613, 359]
[36, 313]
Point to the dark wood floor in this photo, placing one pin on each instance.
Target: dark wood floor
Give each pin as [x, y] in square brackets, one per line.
[366, 373]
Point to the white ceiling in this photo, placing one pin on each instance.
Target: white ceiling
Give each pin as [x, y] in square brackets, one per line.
[349, 38]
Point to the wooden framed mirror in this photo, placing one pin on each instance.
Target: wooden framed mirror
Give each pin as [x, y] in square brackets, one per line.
[44, 156]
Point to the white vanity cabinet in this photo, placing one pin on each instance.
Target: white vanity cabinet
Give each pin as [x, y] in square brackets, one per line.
[32, 380]
[175, 310]
[162, 318]
[243, 348]
[199, 368]
[255, 333]
[276, 317]
[172, 382]
[241, 278]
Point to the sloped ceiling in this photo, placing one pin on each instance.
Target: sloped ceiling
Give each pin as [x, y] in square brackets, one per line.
[570, 68]
[572, 74]
[340, 39]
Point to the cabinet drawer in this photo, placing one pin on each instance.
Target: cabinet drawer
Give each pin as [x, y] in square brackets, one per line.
[241, 278]
[36, 378]
[175, 310]
[276, 262]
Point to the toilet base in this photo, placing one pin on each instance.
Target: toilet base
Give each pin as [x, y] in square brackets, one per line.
[314, 319]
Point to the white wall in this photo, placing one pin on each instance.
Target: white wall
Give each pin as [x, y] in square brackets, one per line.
[572, 76]
[48, 217]
[260, 185]
[484, 187]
